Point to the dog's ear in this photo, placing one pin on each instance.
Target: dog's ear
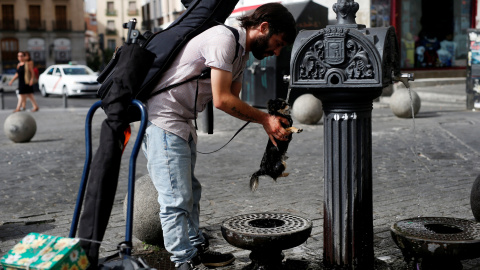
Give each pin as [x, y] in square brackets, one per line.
[270, 102]
[271, 106]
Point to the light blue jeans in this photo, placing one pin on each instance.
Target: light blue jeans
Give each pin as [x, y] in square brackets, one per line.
[171, 165]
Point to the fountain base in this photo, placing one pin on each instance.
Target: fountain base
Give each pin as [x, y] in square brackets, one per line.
[266, 235]
[437, 242]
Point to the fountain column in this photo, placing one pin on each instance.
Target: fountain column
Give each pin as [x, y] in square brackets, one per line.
[346, 66]
[348, 216]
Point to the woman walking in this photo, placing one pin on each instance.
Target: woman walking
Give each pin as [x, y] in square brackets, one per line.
[26, 79]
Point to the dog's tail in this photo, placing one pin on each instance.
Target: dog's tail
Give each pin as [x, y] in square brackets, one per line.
[254, 181]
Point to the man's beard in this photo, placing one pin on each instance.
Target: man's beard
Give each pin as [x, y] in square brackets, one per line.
[260, 45]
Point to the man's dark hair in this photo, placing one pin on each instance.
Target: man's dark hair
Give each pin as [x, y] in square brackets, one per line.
[279, 19]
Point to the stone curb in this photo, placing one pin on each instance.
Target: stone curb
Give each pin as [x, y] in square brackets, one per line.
[431, 82]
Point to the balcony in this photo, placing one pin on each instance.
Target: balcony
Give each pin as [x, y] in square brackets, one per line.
[111, 32]
[35, 25]
[9, 25]
[132, 12]
[111, 12]
[62, 25]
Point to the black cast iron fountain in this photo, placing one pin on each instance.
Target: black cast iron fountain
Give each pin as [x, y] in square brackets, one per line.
[266, 235]
[346, 66]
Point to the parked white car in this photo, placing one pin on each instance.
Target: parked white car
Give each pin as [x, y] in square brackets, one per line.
[71, 79]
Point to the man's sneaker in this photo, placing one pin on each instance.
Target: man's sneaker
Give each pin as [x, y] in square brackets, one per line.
[194, 264]
[215, 259]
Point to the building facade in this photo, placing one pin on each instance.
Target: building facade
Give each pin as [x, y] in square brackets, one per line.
[432, 33]
[158, 14]
[53, 31]
[111, 15]
[91, 34]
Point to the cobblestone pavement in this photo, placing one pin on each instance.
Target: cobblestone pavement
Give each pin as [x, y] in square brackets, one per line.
[421, 167]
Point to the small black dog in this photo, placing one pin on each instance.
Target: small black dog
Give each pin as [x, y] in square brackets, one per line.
[273, 162]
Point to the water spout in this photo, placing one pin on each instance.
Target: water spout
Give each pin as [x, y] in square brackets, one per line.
[404, 78]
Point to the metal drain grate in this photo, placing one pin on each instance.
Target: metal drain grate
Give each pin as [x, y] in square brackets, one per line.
[267, 223]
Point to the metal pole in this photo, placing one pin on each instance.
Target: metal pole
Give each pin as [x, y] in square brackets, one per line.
[348, 215]
[65, 100]
[2, 103]
[207, 119]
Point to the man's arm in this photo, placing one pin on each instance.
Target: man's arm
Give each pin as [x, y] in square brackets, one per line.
[226, 98]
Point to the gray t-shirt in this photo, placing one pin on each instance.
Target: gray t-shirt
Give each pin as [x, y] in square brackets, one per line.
[173, 110]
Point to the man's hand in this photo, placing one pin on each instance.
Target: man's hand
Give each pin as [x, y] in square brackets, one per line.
[274, 128]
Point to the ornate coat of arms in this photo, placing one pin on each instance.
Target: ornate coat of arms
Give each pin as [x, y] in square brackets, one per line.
[336, 50]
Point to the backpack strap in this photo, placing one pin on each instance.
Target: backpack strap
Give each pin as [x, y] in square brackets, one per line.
[206, 71]
[204, 75]
[237, 37]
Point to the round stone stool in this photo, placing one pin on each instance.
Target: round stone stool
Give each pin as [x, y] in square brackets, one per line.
[266, 235]
[20, 127]
[475, 199]
[437, 242]
[146, 219]
[401, 103]
[307, 109]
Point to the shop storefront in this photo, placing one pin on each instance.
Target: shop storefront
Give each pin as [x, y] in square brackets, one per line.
[433, 32]
[36, 47]
[63, 50]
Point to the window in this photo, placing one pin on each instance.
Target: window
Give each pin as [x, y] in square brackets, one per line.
[111, 44]
[60, 18]
[8, 18]
[93, 19]
[111, 28]
[132, 8]
[146, 17]
[111, 25]
[50, 71]
[75, 71]
[34, 21]
[9, 55]
[111, 9]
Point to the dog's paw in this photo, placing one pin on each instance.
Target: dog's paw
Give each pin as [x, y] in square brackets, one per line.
[294, 130]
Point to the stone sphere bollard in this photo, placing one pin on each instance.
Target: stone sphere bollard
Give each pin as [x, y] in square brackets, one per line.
[146, 219]
[307, 109]
[401, 103]
[20, 127]
[475, 199]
